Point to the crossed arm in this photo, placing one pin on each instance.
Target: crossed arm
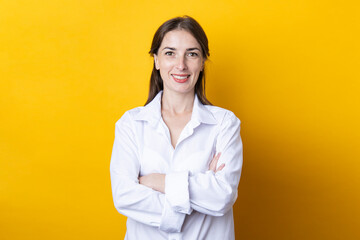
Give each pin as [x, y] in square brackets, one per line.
[156, 181]
[150, 201]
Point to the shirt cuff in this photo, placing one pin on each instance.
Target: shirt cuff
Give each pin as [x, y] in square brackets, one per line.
[177, 192]
[171, 221]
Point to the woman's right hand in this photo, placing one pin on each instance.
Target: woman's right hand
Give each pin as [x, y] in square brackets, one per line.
[214, 162]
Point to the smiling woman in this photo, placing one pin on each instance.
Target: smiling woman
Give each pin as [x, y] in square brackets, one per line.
[176, 162]
[166, 32]
[179, 61]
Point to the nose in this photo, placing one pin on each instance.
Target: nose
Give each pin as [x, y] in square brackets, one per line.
[181, 63]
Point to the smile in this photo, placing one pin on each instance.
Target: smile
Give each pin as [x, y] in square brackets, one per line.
[180, 78]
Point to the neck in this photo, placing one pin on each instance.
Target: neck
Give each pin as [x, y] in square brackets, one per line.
[177, 103]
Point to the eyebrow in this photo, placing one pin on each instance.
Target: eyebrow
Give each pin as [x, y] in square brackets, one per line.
[173, 49]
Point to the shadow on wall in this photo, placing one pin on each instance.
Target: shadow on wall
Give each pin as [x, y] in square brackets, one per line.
[279, 198]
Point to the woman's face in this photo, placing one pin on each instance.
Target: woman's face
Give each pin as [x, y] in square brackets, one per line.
[180, 61]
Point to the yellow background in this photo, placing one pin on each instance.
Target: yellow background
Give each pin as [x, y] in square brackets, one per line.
[288, 69]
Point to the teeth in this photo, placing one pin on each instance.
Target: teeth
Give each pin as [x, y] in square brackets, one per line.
[180, 77]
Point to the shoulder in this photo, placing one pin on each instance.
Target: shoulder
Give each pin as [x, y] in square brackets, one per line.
[222, 115]
[129, 116]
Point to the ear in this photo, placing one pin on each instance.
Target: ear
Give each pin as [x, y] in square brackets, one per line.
[156, 61]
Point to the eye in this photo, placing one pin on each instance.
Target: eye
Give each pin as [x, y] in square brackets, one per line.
[169, 53]
[193, 54]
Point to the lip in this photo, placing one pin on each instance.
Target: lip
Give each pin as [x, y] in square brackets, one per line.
[182, 80]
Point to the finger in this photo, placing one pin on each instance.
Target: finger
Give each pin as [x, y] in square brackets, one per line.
[221, 167]
[211, 165]
[214, 162]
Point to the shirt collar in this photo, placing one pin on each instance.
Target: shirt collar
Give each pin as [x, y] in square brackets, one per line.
[152, 112]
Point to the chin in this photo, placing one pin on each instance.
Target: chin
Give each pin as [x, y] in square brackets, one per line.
[181, 90]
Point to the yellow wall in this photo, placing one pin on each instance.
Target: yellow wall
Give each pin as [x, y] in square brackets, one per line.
[288, 69]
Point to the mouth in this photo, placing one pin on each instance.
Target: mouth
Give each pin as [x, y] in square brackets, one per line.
[180, 78]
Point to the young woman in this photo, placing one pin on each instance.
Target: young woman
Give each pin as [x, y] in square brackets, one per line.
[176, 162]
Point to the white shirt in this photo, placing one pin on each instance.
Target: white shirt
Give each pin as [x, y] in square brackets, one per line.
[197, 203]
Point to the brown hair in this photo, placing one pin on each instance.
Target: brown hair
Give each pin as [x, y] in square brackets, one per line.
[193, 27]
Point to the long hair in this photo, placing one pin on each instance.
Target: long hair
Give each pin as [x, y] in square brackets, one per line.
[193, 27]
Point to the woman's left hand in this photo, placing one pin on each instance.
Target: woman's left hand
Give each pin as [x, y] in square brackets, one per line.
[214, 162]
[155, 181]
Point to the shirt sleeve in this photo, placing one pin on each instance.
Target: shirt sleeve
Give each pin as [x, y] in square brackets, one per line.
[214, 193]
[131, 198]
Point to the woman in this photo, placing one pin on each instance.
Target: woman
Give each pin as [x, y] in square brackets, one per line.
[176, 162]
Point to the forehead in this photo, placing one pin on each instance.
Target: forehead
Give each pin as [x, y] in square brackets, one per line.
[179, 39]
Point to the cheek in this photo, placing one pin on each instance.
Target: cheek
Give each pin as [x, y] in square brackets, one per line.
[165, 66]
[164, 75]
[196, 66]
